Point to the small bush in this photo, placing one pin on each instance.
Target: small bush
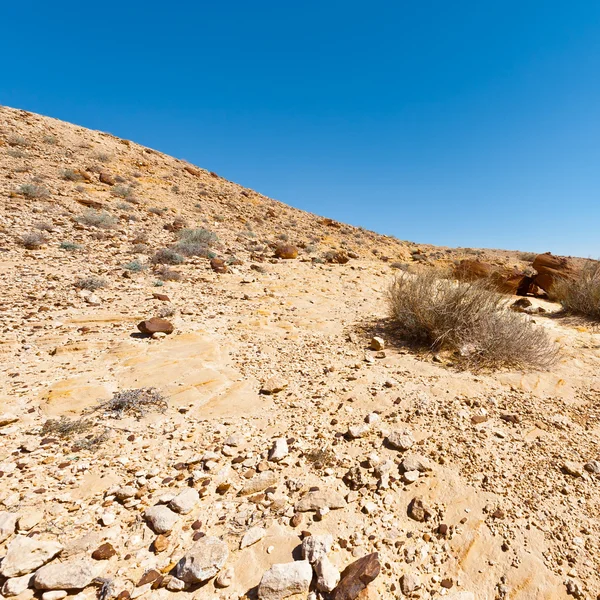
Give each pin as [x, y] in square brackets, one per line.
[91, 283]
[33, 240]
[135, 266]
[64, 427]
[43, 226]
[16, 153]
[156, 211]
[468, 318]
[70, 246]
[527, 256]
[166, 311]
[167, 274]
[140, 249]
[18, 140]
[31, 190]
[124, 206]
[136, 402]
[193, 249]
[103, 157]
[97, 218]
[71, 175]
[167, 256]
[50, 140]
[123, 191]
[580, 296]
[198, 236]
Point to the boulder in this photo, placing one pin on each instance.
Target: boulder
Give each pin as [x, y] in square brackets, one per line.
[161, 518]
[218, 265]
[155, 325]
[550, 268]
[16, 585]
[472, 270]
[203, 561]
[286, 251]
[74, 574]
[107, 178]
[285, 579]
[356, 577]
[185, 501]
[8, 522]
[24, 555]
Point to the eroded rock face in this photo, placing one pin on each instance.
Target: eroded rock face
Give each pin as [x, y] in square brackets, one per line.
[155, 325]
[25, 555]
[284, 580]
[204, 561]
[286, 251]
[550, 268]
[356, 577]
[72, 574]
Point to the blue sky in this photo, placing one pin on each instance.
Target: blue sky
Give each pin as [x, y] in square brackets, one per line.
[462, 123]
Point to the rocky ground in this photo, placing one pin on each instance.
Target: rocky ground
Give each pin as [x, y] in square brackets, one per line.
[285, 449]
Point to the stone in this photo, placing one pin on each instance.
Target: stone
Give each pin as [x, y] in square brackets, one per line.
[161, 518]
[592, 467]
[25, 555]
[377, 343]
[253, 535]
[274, 385]
[16, 585]
[8, 523]
[320, 499]
[279, 450]
[185, 501]
[126, 492]
[357, 431]
[550, 268]
[225, 578]
[73, 574]
[410, 476]
[356, 577]
[203, 561]
[29, 520]
[410, 583]
[161, 543]
[284, 580]
[155, 325]
[572, 468]
[258, 483]
[328, 576]
[161, 297]
[418, 510]
[415, 462]
[104, 552]
[315, 547]
[173, 584]
[7, 419]
[286, 251]
[401, 440]
[54, 595]
[218, 265]
[106, 178]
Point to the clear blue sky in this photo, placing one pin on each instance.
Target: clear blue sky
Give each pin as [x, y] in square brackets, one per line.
[466, 123]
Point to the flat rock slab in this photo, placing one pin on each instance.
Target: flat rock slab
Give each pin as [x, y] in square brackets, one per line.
[72, 574]
[320, 499]
[205, 559]
[25, 555]
[284, 580]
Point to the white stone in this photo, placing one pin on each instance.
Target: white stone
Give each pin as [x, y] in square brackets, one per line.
[73, 574]
[16, 585]
[328, 576]
[54, 595]
[279, 450]
[8, 522]
[315, 547]
[161, 518]
[25, 555]
[286, 579]
[203, 561]
[185, 502]
[253, 535]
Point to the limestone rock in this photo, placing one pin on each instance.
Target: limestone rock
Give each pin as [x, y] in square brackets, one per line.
[320, 499]
[25, 555]
[203, 561]
[8, 522]
[16, 585]
[185, 501]
[160, 518]
[285, 579]
[401, 440]
[315, 547]
[253, 535]
[73, 574]
[418, 510]
[29, 520]
[279, 450]
[259, 483]
[377, 343]
[286, 251]
[7, 419]
[328, 576]
[274, 385]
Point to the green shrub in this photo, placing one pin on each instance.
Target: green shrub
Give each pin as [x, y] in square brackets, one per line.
[581, 295]
[167, 256]
[70, 246]
[97, 218]
[135, 266]
[31, 190]
[91, 283]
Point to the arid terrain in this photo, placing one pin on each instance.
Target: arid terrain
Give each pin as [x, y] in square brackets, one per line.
[277, 418]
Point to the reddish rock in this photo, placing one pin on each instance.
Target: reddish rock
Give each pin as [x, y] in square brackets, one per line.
[104, 552]
[192, 170]
[161, 297]
[286, 251]
[337, 258]
[471, 270]
[418, 510]
[160, 544]
[356, 577]
[107, 178]
[218, 265]
[148, 577]
[155, 325]
[550, 268]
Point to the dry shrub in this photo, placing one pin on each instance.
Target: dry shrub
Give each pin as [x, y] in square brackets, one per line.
[136, 402]
[91, 283]
[167, 256]
[469, 318]
[581, 295]
[65, 427]
[33, 240]
[167, 274]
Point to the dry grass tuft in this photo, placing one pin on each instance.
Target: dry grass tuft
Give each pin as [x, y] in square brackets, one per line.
[468, 318]
[136, 402]
[581, 296]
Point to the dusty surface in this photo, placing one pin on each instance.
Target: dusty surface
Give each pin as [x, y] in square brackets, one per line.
[518, 524]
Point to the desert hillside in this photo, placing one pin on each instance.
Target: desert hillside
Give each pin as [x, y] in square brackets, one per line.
[263, 434]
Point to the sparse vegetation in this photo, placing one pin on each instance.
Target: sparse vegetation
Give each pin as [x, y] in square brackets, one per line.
[18, 140]
[31, 190]
[71, 175]
[123, 191]
[527, 256]
[167, 256]
[135, 266]
[65, 427]
[166, 311]
[97, 218]
[44, 226]
[468, 318]
[91, 283]
[140, 249]
[167, 274]
[581, 295]
[33, 240]
[70, 246]
[16, 153]
[136, 402]
[103, 157]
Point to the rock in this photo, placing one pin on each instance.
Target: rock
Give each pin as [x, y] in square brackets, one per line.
[253, 535]
[104, 552]
[286, 251]
[572, 468]
[218, 265]
[54, 595]
[173, 584]
[225, 578]
[315, 547]
[410, 583]
[284, 580]
[8, 523]
[356, 577]
[410, 476]
[357, 431]
[16, 585]
[161, 297]
[591, 467]
[259, 483]
[25, 555]
[550, 268]
[418, 510]
[161, 543]
[185, 501]
[328, 575]
[279, 450]
[29, 520]
[155, 325]
[521, 304]
[126, 492]
[401, 440]
[377, 343]
[106, 178]
[160, 518]
[336, 257]
[74, 574]
[415, 462]
[7, 419]
[320, 499]
[274, 385]
[203, 561]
